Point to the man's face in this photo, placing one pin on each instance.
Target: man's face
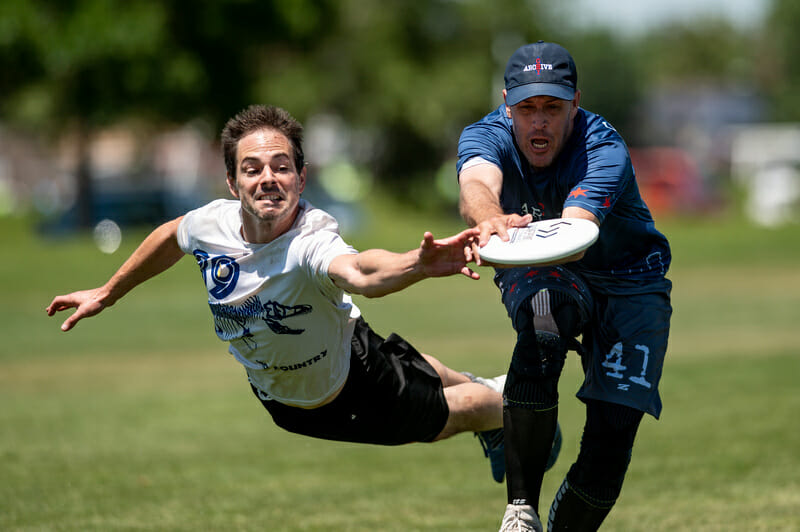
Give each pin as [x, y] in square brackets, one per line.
[267, 182]
[542, 125]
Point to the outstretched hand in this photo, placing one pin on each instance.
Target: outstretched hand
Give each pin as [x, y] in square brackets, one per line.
[498, 225]
[448, 256]
[87, 302]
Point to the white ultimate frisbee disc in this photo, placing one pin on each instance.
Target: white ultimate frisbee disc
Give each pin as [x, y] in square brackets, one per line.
[541, 242]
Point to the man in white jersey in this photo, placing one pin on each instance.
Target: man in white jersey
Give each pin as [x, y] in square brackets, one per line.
[278, 275]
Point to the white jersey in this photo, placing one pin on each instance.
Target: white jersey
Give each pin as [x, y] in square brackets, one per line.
[287, 323]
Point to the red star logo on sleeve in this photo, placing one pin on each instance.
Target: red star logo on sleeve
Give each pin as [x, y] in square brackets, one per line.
[607, 203]
[578, 192]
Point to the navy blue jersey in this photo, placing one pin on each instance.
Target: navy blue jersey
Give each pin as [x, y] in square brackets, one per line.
[594, 172]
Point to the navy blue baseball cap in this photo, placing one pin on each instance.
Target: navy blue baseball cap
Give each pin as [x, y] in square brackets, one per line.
[540, 69]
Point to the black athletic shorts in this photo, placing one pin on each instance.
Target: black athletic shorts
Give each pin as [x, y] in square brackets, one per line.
[392, 396]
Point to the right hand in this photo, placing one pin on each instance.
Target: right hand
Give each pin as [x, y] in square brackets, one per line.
[497, 225]
[87, 302]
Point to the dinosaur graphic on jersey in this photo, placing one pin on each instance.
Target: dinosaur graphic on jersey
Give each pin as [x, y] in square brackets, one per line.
[274, 312]
[234, 321]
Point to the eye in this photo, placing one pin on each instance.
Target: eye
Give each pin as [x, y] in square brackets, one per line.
[281, 168]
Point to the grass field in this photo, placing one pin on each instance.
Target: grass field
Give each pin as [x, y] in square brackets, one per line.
[139, 420]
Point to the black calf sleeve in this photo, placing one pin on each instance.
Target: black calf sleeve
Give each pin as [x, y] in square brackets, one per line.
[530, 415]
[528, 438]
[570, 511]
[605, 451]
[594, 481]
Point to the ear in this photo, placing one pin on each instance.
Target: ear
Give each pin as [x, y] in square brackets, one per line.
[301, 184]
[508, 109]
[576, 102]
[232, 186]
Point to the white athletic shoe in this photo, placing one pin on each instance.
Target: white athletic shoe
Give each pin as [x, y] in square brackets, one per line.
[520, 518]
[497, 383]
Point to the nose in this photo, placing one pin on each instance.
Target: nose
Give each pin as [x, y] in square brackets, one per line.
[539, 120]
[267, 178]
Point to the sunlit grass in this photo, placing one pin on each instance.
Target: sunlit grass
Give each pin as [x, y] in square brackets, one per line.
[140, 420]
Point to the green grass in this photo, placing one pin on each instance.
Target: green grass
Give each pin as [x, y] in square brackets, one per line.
[139, 420]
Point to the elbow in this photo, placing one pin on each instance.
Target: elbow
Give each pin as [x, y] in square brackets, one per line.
[372, 293]
[462, 210]
[362, 289]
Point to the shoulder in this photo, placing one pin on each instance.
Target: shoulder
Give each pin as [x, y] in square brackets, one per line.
[219, 218]
[595, 138]
[593, 129]
[315, 241]
[497, 122]
[311, 220]
[215, 208]
[491, 138]
[315, 231]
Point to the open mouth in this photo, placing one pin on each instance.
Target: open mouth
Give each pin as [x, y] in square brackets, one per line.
[269, 198]
[540, 144]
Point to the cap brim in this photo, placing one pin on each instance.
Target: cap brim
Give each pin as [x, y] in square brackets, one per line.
[529, 90]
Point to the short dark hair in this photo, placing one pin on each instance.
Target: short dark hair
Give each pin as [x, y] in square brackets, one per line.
[258, 117]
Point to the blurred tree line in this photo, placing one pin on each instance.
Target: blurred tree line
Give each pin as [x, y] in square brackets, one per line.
[408, 75]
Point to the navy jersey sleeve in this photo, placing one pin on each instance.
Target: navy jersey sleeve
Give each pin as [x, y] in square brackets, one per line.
[487, 138]
[607, 175]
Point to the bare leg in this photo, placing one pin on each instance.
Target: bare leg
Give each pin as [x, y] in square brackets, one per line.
[450, 377]
[473, 407]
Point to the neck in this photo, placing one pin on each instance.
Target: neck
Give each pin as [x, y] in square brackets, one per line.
[257, 231]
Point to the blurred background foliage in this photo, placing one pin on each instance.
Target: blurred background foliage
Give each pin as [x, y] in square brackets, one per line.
[112, 109]
[383, 86]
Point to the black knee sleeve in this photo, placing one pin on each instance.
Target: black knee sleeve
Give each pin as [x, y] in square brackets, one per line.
[605, 453]
[536, 366]
[539, 355]
[522, 391]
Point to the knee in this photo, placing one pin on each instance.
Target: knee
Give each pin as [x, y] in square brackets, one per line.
[534, 372]
[537, 353]
[547, 314]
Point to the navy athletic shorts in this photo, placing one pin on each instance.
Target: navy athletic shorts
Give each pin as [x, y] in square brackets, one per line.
[625, 336]
[392, 396]
[625, 344]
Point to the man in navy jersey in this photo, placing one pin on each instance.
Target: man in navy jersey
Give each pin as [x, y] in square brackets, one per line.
[541, 156]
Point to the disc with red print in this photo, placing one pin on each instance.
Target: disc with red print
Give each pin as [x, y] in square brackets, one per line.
[541, 242]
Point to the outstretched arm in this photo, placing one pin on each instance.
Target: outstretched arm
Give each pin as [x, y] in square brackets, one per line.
[377, 272]
[157, 253]
[479, 203]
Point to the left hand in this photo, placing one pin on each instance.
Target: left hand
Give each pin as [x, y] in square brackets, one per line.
[450, 255]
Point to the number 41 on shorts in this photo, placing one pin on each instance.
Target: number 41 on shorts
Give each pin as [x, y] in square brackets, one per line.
[613, 362]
